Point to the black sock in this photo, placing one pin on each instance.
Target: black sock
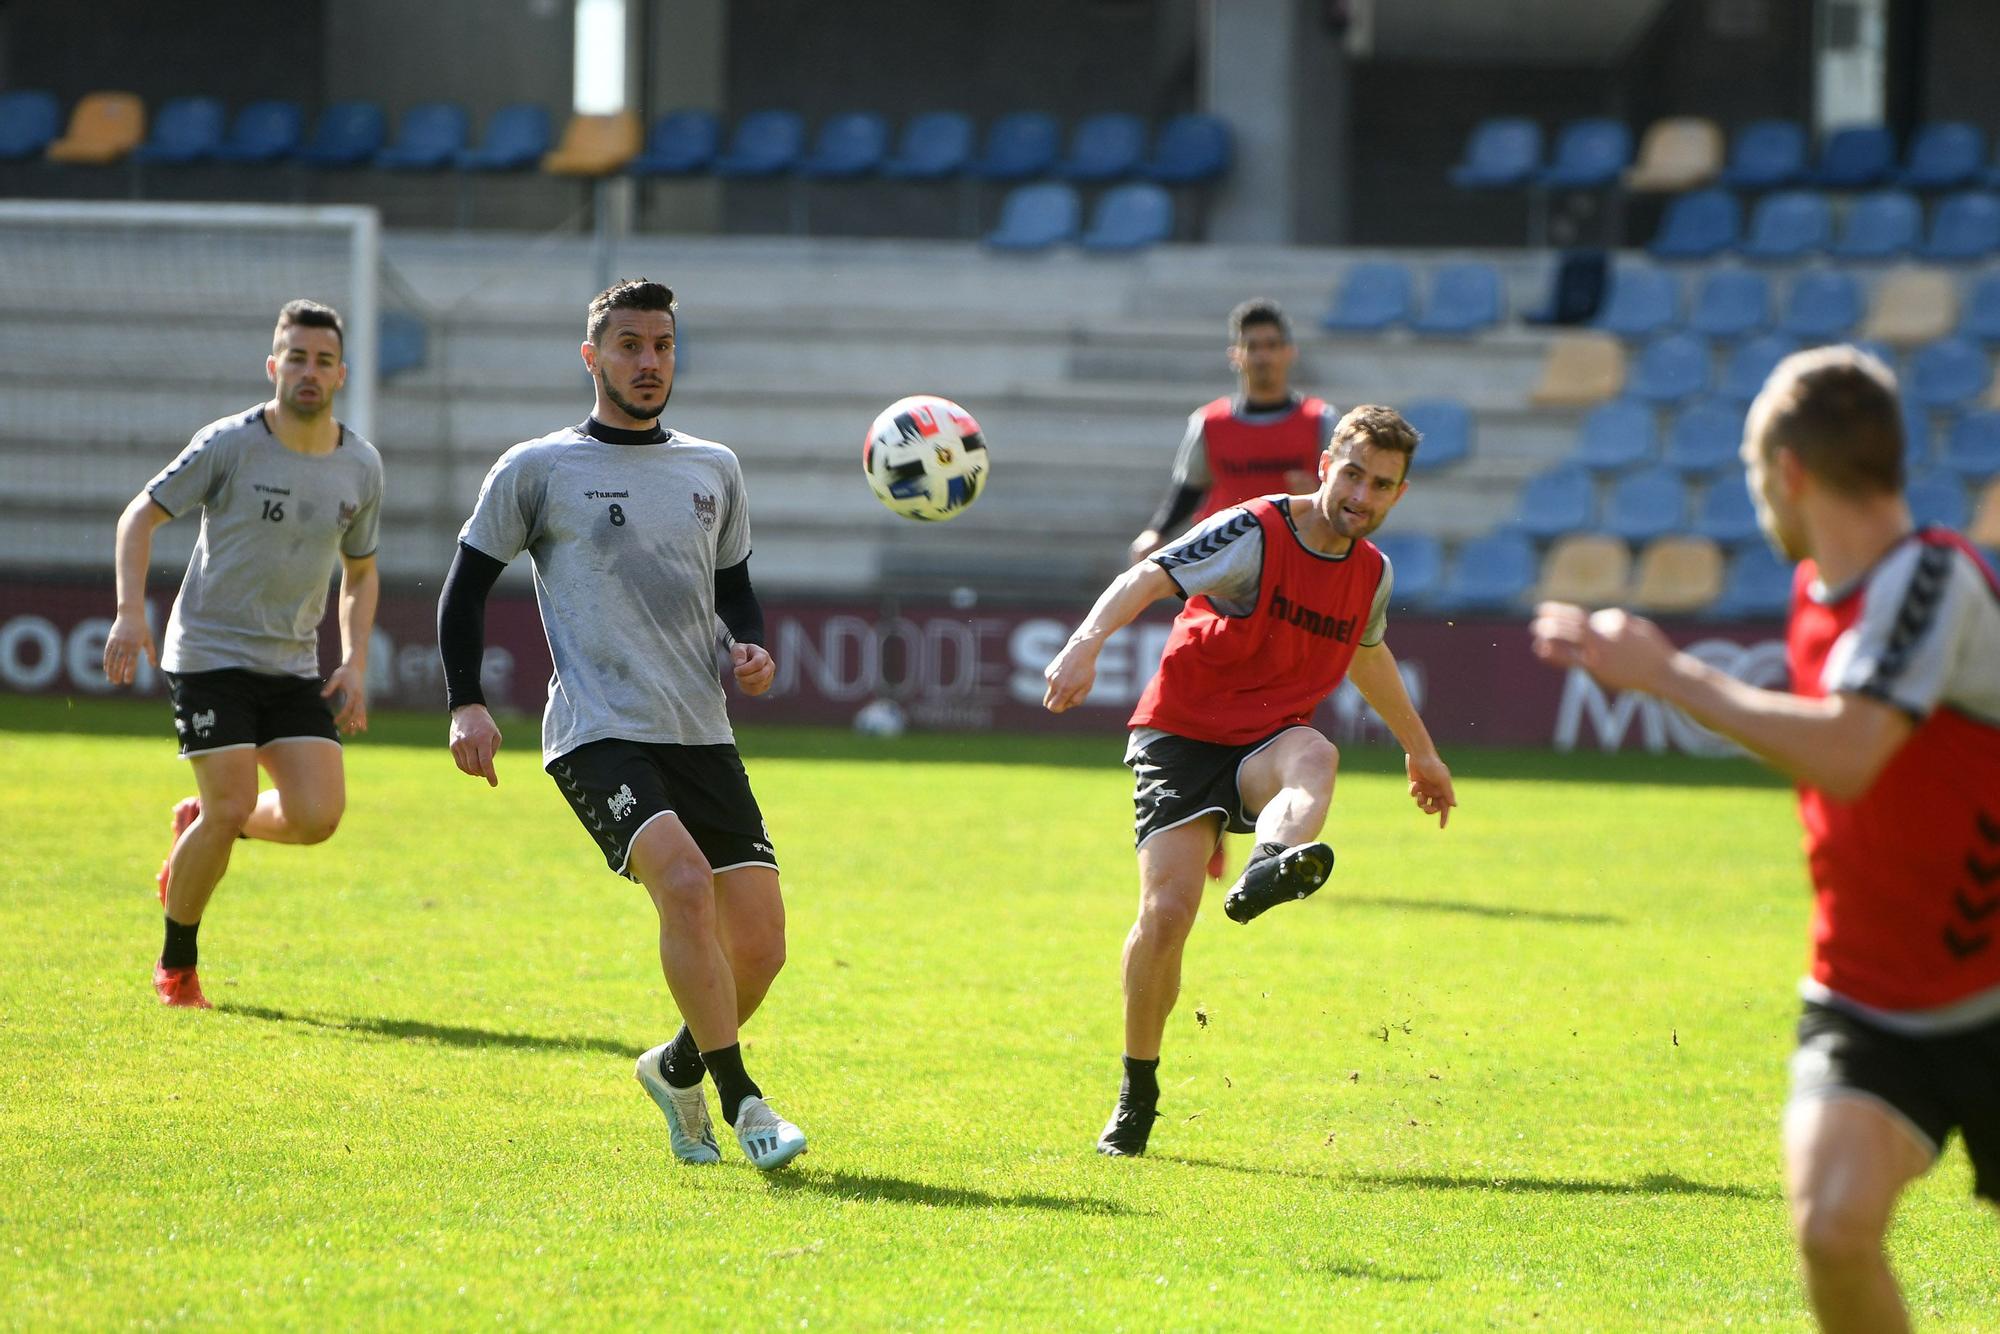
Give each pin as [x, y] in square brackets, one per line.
[732, 1085]
[180, 950]
[680, 1063]
[1141, 1086]
[1263, 852]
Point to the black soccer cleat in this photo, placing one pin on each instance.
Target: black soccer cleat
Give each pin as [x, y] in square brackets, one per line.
[1125, 1133]
[1292, 874]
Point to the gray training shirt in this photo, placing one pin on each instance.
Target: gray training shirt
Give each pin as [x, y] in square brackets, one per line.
[626, 540]
[273, 523]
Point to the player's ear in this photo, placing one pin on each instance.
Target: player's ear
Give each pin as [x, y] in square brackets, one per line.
[589, 351]
[1791, 471]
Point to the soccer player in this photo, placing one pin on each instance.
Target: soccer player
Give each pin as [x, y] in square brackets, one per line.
[640, 539]
[1285, 596]
[283, 490]
[1892, 731]
[1266, 437]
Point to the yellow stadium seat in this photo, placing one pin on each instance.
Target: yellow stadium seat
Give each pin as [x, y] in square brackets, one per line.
[1985, 529]
[594, 145]
[1585, 567]
[1677, 574]
[1581, 369]
[1677, 154]
[1913, 306]
[103, 128]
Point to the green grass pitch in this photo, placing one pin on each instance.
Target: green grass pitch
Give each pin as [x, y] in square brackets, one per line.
[1525, 1072]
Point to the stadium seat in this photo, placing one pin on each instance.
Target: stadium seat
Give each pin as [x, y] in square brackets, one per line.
[680, 143]
[1581, 368]
[594, 145]
[1190, 149]
[1416, 563]
[1676, 154]
[1646, 504]
[1464, 298]
[764, 144]
[103, 128]
[1766, 155]
[1880, 225]
[263, 133]
[186, 130]
[1855, 158]
[402, 343]
[1726, 515]
[1445, 426]
[1966, 226]
[1372, 296]
[1917, 435]
[1752, 363]
[1731, 303]
[1938, 498]
[429, 138]
[934, 146]
[1705, 437]
[1823, 305]
[1671, 368]
[1576, 289]
[1943, 155]
[1677, 574]
[1500, 153]
[1587, 568]
[1948, 373]
[848, 146]
[1130, 217]
[29, 122]
[517, 137]
[1491, 574]
[1912, 306]
[347, 134]
[1758, 585]
[1020, 146]
[1623, 433]
[1641, 301]
[1972, 450]
[1788, 225]
[1105, 147]
[1698, 225]
[1034, 217]
[1981, 318]
[1589, 153]
[1561, 500]
[1985, 526]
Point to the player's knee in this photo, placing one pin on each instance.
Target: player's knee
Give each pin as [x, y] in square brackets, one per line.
[1315, 761]
[316, 824]
[226, 815]
[1167, 917]
[683, 889]
[1831, 1237]
[762, 957]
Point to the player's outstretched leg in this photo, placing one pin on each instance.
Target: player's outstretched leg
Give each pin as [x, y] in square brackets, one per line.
[1278, 874]
[1289, 783]
[690, 1133]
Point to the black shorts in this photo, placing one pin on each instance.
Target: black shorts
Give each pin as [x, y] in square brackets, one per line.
[1176, 779]
[1938, 1084]
[619, 787]
[232, 709]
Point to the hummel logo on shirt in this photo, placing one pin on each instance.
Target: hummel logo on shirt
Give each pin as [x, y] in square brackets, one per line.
[621, 801]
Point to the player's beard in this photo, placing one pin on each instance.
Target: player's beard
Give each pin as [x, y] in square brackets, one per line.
[306, 411]
[628, 407]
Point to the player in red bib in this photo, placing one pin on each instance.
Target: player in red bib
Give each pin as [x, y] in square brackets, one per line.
[1892, 731]
[1285, 598]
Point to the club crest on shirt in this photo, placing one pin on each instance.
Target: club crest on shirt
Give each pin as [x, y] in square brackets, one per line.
[347, 513]
[704, 509]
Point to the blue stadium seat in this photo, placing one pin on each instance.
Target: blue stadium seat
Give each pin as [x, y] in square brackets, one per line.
[935, 146]
[1491, 574]
[1576, 289]
[680, 143]
[516, 138]
[263, 133]
[1705, 437]
[347, 134]
[1501, 152]
[848, 146]
[1917, 435]
[1758, 585]
[1190, 149]
[1938, 498]
[1726, 515]
[185, 130]
[1372, 296]
[1731, 303]
[1669, 369]
[1943, 155]
[1445, 424]
[1589, 153]
[1980, 316]
[1034, 217]
[1646, 504]
[1020, 146]
[1752, 363]
[402, 343]
[1766, 155]
[1948, 373]
[1880, 225]
[1856, 158]
[1105, 147]
[1623, 433]
[1561, 500]
[1972, 450]
[1788, 225]
[1642, 301]
[764, 144]
[1130, 217]
[1464, 299]
[1823, 305]
[430, 138]
[1966, 226]
[30, 120]
[1698, 224]
[1416, 563]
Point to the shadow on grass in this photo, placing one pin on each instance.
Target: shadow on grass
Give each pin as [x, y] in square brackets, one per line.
[1652, 1183]
[1344, 1269]
[450, 1035]
[900, 1190]
[1480, 910]
[1246, 1169]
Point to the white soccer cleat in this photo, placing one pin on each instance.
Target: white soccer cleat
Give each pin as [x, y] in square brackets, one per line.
[769, 1140]
[689, 1131]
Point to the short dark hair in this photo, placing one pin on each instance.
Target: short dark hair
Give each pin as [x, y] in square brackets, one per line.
[626, 294]
[1837, 410]
[1258, 310]
[309, 315]
[1384, 428]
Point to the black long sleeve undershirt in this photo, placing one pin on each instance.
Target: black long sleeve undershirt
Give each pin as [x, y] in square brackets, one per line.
[1180, 502]
[736, 604]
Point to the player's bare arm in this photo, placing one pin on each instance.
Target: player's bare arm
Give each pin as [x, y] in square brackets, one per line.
[130, 636]
[347, 686]
[1374, 674]
[1071, 672]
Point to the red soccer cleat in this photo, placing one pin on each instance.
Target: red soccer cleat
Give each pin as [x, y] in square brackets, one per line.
[186, 811]
[179, 987]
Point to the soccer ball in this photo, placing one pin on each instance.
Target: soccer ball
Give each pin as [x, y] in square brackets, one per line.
[925, 458]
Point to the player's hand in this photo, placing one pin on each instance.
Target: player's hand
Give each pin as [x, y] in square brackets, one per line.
[753, 666]
[348, 689]
[129, 638]
[1070, 675]
[1430, 786]
[1622, 651]
[475, 739]
[1144, 545]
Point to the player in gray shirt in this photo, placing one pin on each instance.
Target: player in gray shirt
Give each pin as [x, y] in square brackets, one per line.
[285, 491]
[640, 540]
